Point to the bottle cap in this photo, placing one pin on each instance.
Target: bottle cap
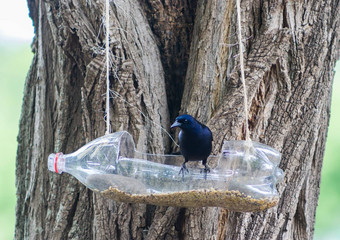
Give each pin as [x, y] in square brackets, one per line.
[56, 162]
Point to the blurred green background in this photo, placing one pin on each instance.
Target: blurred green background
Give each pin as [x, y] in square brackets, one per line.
[15, 60]
[14, 63]
[327, 225]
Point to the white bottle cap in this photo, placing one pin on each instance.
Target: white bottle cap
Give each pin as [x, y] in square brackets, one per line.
[56, 162]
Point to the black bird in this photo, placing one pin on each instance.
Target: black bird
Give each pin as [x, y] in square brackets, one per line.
[195, 141]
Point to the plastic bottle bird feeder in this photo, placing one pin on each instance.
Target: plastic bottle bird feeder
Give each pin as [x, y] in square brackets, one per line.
[243, 178]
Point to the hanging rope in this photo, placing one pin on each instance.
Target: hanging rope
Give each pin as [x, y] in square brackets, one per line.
[107, 51]
[245, 100]
[107, 48]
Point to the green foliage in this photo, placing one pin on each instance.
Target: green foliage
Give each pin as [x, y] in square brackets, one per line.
[14, 64]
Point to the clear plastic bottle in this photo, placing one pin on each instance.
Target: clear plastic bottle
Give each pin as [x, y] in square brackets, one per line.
[242, 178]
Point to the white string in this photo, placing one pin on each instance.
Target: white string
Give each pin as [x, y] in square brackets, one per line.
[41, 63]
[107, 48]
[107, 51]
[245, 100]
[116, 94]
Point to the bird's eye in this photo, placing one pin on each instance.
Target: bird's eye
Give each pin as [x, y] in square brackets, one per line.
[185, 121]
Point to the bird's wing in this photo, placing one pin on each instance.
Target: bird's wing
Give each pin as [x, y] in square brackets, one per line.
[207, 132]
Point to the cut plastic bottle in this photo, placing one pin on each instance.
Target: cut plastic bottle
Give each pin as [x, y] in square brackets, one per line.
[243, 178]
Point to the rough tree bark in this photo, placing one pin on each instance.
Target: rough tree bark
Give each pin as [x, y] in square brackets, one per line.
[171, 57]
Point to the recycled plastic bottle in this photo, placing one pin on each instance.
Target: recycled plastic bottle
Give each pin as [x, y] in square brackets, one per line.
[242, 178]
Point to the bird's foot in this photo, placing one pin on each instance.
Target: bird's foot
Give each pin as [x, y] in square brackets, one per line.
[183, 170]
[205, 171]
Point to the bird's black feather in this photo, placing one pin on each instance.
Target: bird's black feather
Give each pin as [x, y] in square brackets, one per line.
[195, 140]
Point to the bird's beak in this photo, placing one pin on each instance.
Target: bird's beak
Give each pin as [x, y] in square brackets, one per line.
[175, 124]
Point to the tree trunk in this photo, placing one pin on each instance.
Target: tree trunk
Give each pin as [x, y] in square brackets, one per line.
[172, 57]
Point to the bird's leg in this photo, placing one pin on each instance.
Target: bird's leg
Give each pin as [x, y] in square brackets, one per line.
[183, 169]
[206, 169]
